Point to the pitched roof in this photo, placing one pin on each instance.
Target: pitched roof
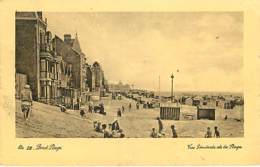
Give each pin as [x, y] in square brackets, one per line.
[76, 45]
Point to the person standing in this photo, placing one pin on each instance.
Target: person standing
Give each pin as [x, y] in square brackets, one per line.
[130, 106]
[137, 106]
[26, 101]
[216, 133]
[160, 124]
[174, 133]
[102, 109]
[208, 133]
[119, 112]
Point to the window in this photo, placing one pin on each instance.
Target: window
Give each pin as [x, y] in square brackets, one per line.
[49, 67]
[42, 41]
[43, 65]
[42, 91]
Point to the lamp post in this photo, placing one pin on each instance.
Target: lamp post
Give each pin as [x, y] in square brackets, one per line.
[172, 76]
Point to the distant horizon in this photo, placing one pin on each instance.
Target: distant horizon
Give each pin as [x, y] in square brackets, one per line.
[191, 91]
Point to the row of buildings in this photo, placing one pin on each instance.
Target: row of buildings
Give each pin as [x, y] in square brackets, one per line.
[119, 87]
[56, 69]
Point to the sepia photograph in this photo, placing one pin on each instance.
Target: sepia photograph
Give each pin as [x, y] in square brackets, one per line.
[129, 74]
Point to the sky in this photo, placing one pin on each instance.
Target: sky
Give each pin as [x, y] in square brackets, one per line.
[138, 47]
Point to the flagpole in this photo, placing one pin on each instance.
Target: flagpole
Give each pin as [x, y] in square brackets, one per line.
[159, 88]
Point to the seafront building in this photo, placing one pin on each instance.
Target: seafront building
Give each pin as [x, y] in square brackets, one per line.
[119, 87]
[56, 69]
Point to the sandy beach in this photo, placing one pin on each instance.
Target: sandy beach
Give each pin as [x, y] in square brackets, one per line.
[48, 121]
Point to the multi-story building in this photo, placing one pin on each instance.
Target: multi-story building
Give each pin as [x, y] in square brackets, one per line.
[120, 87]
[69, 49]
[48, 74]
[65, 91]
[86, 95]
[98, 79]
[48, 69]
[55, 69]
[88, 79]
[34, 55]
[28, 29]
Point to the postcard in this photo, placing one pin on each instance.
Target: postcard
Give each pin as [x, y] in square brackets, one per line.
[130, 83]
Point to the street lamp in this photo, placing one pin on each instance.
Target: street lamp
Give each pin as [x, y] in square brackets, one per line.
[172, 76]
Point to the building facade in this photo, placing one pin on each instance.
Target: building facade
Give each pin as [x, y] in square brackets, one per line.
[55, 68]
[98, 80]
[35, 57]
[120, 87]
[30, 29]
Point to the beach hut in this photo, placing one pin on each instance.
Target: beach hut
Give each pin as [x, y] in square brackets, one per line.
[226, 104]
[205, 112]
[169, 111]
[197, 101]
[188, 101]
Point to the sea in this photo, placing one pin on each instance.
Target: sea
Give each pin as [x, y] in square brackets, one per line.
[198, 93]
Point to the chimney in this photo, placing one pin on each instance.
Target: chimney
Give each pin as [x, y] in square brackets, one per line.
[39, 14]
[67, 38]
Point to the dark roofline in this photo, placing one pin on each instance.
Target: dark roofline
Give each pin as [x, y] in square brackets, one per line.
[56, 36]
[35, 17]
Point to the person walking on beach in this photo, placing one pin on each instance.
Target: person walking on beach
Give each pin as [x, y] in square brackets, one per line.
[26, 101]
[130, 106]
[208, 133]
[119, 112]
[216, 133]
[137, 106]
[174, 133]
[90, 107]
[160, 124]
[123, 108]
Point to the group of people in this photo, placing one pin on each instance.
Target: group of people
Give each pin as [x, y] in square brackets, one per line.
[160, 133]
[116, 96]
[155, 134]
[209, 133]
[122, 109]
[96, 109]
[112, 131]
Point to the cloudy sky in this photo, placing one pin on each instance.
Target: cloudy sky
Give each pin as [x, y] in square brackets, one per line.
[137, 48]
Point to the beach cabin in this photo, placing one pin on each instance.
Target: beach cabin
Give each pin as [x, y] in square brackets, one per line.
[188, 101]
[169, 111]
[226, 104]
[205, 112]
[197, 101]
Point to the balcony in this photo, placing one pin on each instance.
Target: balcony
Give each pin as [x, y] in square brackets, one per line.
[44, 54]
[51, 75]
[47, 76]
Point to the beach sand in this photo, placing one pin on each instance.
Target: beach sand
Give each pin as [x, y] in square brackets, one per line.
[48, 122]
